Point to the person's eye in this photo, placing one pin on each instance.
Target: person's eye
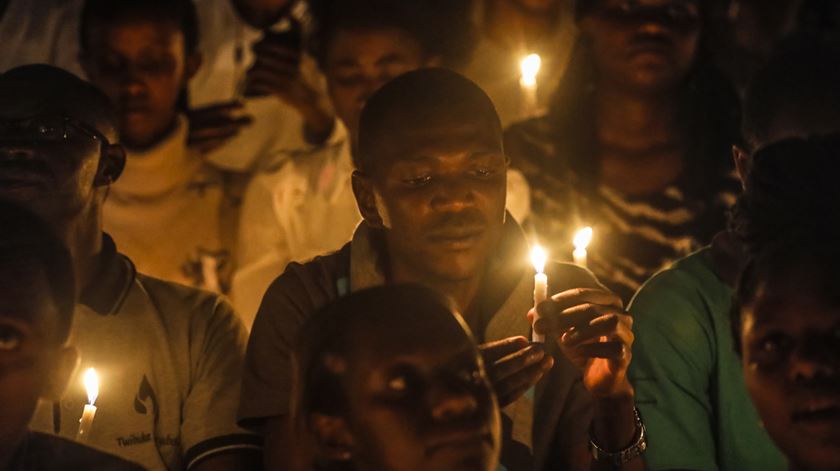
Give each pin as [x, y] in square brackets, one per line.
[772, 348]
[472, 376]
[10, 338]
[50, 131]
[417, 181]
[398, 384]
[484, 172]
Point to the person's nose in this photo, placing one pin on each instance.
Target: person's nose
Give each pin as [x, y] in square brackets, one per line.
[452, 402]
[131, 82]
[453, 194]
[814, 360]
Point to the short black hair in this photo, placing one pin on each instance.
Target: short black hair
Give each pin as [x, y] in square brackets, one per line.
[799, 83]
[787, 220]
[422, 99]
[331, 333]
[28, 242]
[441, 27]
[181, 13]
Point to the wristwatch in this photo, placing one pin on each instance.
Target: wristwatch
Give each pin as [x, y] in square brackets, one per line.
[626, 455]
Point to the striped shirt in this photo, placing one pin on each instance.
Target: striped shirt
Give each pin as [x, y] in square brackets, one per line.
[634, 235]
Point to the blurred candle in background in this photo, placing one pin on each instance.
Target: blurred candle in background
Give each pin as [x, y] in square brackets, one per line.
[581, 241]
[529, 68]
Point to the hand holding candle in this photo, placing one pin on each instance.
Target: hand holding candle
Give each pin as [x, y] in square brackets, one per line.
[91, 382]
[538, 258]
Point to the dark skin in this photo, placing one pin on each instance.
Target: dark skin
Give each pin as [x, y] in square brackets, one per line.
[643, 51]
[143, 66]
[33, 363]
[418, 399]
[65, 182]
[791, 360]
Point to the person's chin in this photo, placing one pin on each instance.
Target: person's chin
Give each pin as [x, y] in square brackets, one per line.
[464, 458]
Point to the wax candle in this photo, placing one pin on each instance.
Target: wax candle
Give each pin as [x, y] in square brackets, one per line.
[581, 241]
[529, 68]
[91, 382]
[538, 258]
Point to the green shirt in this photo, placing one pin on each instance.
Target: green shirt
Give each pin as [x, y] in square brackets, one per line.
[689, 384]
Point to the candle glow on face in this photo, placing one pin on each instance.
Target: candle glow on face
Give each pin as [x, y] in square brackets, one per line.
[530, 67]
[582, 238]
[91, 381]
[538, 258]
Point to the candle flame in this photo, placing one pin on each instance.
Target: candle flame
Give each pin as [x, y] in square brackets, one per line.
[91, 381]
[582, 238]
[530, 67]
[538, 258]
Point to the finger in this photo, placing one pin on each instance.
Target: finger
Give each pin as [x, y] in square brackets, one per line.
[576, 317]
[513, 387]
[492, 351]
[515, 362]
[613, 350]
[276, 63]
[277, 50]
[574, 297]
[222, 132]
[602, 326]
[219, 120]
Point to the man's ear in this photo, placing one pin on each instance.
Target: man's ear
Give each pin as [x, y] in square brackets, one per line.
[65, 364]
[193, 63]
[742, 163]
[111, 165]
[366, 199]
[332, 437]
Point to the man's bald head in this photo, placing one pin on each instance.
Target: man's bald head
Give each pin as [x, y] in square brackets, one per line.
[420, 107]
[40, 89]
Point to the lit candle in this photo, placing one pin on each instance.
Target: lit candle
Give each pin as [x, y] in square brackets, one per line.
[581, 241]
[529, 68]
[538, 258]
[92, 386]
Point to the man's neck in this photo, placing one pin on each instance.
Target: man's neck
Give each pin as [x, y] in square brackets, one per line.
[82, 233]
[515, 28]
[465, 293]
[636, 120]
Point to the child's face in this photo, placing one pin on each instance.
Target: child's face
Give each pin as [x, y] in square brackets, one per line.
[791, 362]
[419, 400]
[358, 63]
[143, 68]
[28, 355]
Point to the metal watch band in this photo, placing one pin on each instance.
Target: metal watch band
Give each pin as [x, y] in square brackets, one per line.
[626, 455]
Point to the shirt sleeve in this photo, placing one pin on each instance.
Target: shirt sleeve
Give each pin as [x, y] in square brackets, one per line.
[267, 381]
[673, 358]
[217, 350]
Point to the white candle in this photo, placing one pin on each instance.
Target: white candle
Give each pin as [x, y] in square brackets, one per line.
[91, 382]
[529, 68]
[538, 258]
[581, 241]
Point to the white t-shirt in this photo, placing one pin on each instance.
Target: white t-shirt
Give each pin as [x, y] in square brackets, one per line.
[226, 43]
[169, 361]
[171, 214]
[305, 207]
[40, 31]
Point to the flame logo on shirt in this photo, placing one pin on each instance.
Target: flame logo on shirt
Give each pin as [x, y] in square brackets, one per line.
[145, 397]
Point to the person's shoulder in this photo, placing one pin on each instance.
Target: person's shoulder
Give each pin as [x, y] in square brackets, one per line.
[179, 304]
[49, 452]
[312, 280]
[689, 286]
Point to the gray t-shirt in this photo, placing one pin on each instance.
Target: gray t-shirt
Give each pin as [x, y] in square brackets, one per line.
[532, 435]
[169, 360]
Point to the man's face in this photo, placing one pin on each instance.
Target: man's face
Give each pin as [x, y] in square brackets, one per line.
[142, 67]
[52, 174]
[358, 63]
[28, 351]
[791, 362]
[419, 400]
[441, 196]
[644, 45]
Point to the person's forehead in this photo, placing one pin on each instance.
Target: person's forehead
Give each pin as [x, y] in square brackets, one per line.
[352, 47]
[795, 304]
[441, 141]
[433, 345]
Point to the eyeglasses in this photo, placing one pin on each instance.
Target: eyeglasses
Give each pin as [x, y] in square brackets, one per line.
[683, 14]
[50, 128]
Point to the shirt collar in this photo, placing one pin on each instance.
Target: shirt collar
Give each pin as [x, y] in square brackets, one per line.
[111, 282]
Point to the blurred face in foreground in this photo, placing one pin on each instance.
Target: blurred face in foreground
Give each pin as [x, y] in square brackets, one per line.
[419, 399]
[791, 357]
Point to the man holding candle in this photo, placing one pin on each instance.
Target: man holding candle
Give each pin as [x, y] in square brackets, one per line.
[36, 362]
[430, 184]
[168, 356]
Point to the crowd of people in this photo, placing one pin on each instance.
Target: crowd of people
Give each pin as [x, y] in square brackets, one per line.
[295, 235]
